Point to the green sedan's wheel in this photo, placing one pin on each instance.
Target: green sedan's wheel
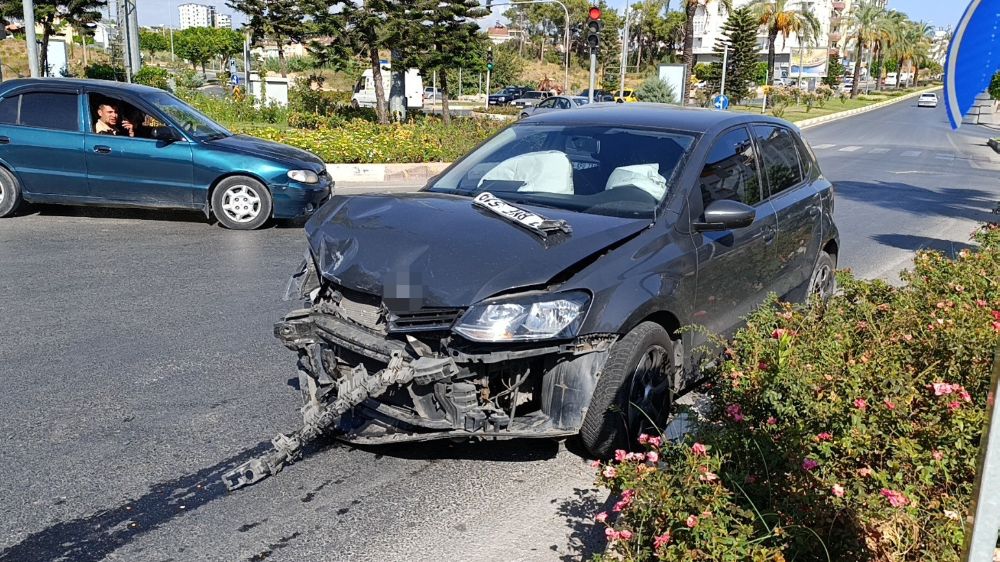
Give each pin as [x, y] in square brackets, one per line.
[10, 193]
[241, 203]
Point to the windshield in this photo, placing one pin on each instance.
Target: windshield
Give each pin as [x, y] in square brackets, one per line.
[602, 170]
[187, 117]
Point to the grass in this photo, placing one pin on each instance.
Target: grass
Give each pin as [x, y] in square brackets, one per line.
[798, 112]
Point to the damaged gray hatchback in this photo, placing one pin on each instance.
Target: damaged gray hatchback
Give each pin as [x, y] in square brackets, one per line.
[537, 288]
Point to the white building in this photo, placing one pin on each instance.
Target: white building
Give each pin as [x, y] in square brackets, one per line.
[224, 21]
[196, 15]
[813, 55]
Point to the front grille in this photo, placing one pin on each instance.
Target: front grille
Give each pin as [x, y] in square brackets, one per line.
[367, 311]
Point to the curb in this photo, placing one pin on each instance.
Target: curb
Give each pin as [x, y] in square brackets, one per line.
[805, 124]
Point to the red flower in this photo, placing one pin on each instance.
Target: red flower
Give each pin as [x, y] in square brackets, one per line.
[810, 464]
[661, 541]
[889, 404]
[692, 521]
[699, 450]
[825, 436]
[861, 404]
[780, 333]
[896, 499]
[954, 406]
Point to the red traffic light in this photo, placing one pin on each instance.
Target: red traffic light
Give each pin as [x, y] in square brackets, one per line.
[595, 13]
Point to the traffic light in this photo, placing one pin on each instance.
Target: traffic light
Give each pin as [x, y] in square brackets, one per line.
[594, 27]
[489, 59]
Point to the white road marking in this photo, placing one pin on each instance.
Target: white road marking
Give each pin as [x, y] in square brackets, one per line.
[879, 150]
[823, 146]
[850, 149]
[912, 153]
[945, 156]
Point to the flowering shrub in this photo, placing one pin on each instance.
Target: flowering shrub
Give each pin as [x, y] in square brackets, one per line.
[850, 429]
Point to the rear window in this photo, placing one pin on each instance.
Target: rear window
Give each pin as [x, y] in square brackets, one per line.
[8, 110]
[50, 110]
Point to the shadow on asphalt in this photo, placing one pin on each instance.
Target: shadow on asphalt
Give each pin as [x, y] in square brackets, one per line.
[510, 450]
[586, 537]
[972, 204]
[92, 538]
[160, 215]
[915, 243]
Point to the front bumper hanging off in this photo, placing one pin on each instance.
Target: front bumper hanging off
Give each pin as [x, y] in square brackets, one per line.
[370, 387]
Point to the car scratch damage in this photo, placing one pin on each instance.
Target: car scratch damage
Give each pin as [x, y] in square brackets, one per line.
[371, 376]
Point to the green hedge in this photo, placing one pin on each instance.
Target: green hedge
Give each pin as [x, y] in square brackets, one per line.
[844, 431]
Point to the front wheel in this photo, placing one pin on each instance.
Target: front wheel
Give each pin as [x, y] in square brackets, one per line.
[241, 203]
[634, 393]
[823, 282]
[10, 193]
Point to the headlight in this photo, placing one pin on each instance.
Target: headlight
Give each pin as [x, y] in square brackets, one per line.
[303, 176]
[540, 317]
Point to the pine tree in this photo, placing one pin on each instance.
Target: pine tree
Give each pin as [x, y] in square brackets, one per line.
[740, 38]
[280, 21]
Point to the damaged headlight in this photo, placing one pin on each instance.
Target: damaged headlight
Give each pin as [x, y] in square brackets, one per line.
[539, 317]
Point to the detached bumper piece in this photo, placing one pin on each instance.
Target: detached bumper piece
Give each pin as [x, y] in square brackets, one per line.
[371, 383]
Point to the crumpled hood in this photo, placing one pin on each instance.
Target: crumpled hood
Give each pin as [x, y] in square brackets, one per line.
[453, 254]
[260, 147]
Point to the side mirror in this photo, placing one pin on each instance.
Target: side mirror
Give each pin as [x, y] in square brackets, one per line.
[726, 214]
[166, 134]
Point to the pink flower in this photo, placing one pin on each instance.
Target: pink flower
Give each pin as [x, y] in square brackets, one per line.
[610, 472]
[709, 477]
[825, 436]
[652, 456]
[964, 395]
[625, 535]
[601, 517]
[627, 497]
[655, 442]
[762, 366]
[735, 412]
[942, 388]
[612, 534]
[620, 454]
[864, 472]
[810, 464]
[772, 421]
[643, 439]
[896, 499]
[661, 541]
[692, 521]
[889, 404]
[595, 464]
[981, 303]
[861, 404]
[635, 457]
[937, 455]
[954, 406]
[699, 450]
[837, 490]
[779, 333]
[996, 325]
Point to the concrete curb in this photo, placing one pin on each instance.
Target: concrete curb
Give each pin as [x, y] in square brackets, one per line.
[805, 124]
[420, 173]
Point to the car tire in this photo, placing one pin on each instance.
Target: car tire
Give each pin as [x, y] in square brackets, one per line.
[823, 281]
[524, 116]
[10, 193]
[241, 203]
[618, 414]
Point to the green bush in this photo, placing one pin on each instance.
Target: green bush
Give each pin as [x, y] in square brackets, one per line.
[655, 89]
[849, 428]
[363, 141]
[102, 71]
[189, 79]
[995, 87]
[152, 76]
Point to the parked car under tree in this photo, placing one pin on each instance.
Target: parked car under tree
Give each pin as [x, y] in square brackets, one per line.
[51, 152]
[538, 287]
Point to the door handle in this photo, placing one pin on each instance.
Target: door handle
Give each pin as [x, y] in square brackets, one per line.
[4, 140]
[813, 211]
[769, 234]
[102, 149]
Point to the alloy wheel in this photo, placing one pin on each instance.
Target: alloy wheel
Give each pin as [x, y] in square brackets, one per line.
[649, 392]
[241, 203]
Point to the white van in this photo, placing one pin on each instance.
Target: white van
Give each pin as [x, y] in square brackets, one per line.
[413, 87]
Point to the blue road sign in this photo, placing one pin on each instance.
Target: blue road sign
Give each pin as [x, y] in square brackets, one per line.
[973, 58]
[721, 102]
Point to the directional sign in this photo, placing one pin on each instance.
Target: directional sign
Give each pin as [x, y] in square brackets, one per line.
[721, 102]
[973, 58]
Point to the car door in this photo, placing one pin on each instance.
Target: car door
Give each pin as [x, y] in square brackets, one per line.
[563, 103]
[544, 106]
[41, 141]
[736, 267]
[797, 203]
[141, 171]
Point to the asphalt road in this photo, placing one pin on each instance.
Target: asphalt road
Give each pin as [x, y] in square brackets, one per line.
[138, 365]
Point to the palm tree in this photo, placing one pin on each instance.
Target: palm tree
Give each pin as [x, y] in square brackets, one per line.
[864, 24]
[888, 31]
[779, 19]
[912, 45]
[691, 10]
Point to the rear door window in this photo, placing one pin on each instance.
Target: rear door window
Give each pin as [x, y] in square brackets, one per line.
[50, 110]
[780, 157]
[730, 171]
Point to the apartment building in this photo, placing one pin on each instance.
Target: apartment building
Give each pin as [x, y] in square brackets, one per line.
[224, 21]
[196, 15]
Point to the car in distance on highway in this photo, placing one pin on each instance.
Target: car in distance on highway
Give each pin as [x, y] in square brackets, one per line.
[599, 95]
[530, 98]
[628, 96]
[93, 142]
[538, 286]
[929, 99]
[554, 103]
[507, 95]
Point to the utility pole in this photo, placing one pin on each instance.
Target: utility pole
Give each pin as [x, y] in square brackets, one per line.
[621, 83]
[725, 67]
[29, 35]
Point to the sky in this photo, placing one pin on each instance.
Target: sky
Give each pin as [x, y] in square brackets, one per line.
[940, 13]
